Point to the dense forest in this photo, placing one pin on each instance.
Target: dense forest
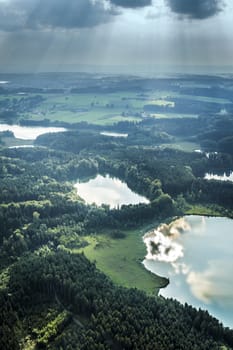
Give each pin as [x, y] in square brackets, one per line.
[91, 313]
[51, 295]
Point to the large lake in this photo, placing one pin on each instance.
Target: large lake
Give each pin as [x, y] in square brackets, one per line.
[107, 190]
[196, 254]
[29, 132]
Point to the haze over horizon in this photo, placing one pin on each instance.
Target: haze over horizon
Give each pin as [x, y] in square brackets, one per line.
[117, 35]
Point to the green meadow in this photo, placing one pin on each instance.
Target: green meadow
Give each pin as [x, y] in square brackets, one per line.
[121, 260]
[105, 108]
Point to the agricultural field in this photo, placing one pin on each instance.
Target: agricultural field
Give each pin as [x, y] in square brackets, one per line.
[92, 108]
[110, 100]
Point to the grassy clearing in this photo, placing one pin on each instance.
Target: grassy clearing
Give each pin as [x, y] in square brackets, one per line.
[204, 99]
[121, 260]
[199, 209]
[10, 97]
[11, 142]
[163, 103]
[182, 145]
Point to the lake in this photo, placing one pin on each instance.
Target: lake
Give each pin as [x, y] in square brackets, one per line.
[196, 254]
[29, 132]
[108, 190]
[22, 146]
[113, 134]
[223, 177]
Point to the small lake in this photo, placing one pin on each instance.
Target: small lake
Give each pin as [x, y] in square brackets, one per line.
[22, 146]
[29, 132]
[113, 134]
[223, 177]
[108, 190]
[196, 254]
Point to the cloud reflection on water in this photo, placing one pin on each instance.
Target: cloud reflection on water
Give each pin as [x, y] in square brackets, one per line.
[107, 190]
[214, 284]
[195, 253]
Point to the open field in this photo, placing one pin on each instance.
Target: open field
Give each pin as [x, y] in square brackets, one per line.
[121, 260]
[182, 145]
[203, 98]
[104, 108]
[12, 141]
[100, 109]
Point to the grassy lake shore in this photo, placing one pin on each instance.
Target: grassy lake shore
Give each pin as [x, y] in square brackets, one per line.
[121, 260]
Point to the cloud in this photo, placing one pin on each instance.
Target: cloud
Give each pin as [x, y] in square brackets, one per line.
[196, 9]
[42, 14]
[132, 3]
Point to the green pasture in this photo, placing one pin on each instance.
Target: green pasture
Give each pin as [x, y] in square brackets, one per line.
[100, 109]
[181, 145]
[89, 99]
[161, 103]
[203, 99]
[121, 260]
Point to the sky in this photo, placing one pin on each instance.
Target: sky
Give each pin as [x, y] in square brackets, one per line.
[156, 35]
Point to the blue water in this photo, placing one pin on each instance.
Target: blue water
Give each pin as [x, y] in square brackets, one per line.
[199, 264]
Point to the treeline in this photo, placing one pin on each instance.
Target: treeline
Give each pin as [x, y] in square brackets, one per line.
[212, 91]
[212, 130]
[103, 316]
[11, 108]
[75, 141]
[211, 191]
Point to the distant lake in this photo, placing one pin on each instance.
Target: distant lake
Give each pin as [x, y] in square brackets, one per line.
[113, 134]
[108, 190]
[224, 177]
[195, 253]
[22, 146]
[29, 132]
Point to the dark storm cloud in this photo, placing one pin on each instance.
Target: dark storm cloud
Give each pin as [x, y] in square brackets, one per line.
[40, 14]
[196, 9]
[132, 3]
